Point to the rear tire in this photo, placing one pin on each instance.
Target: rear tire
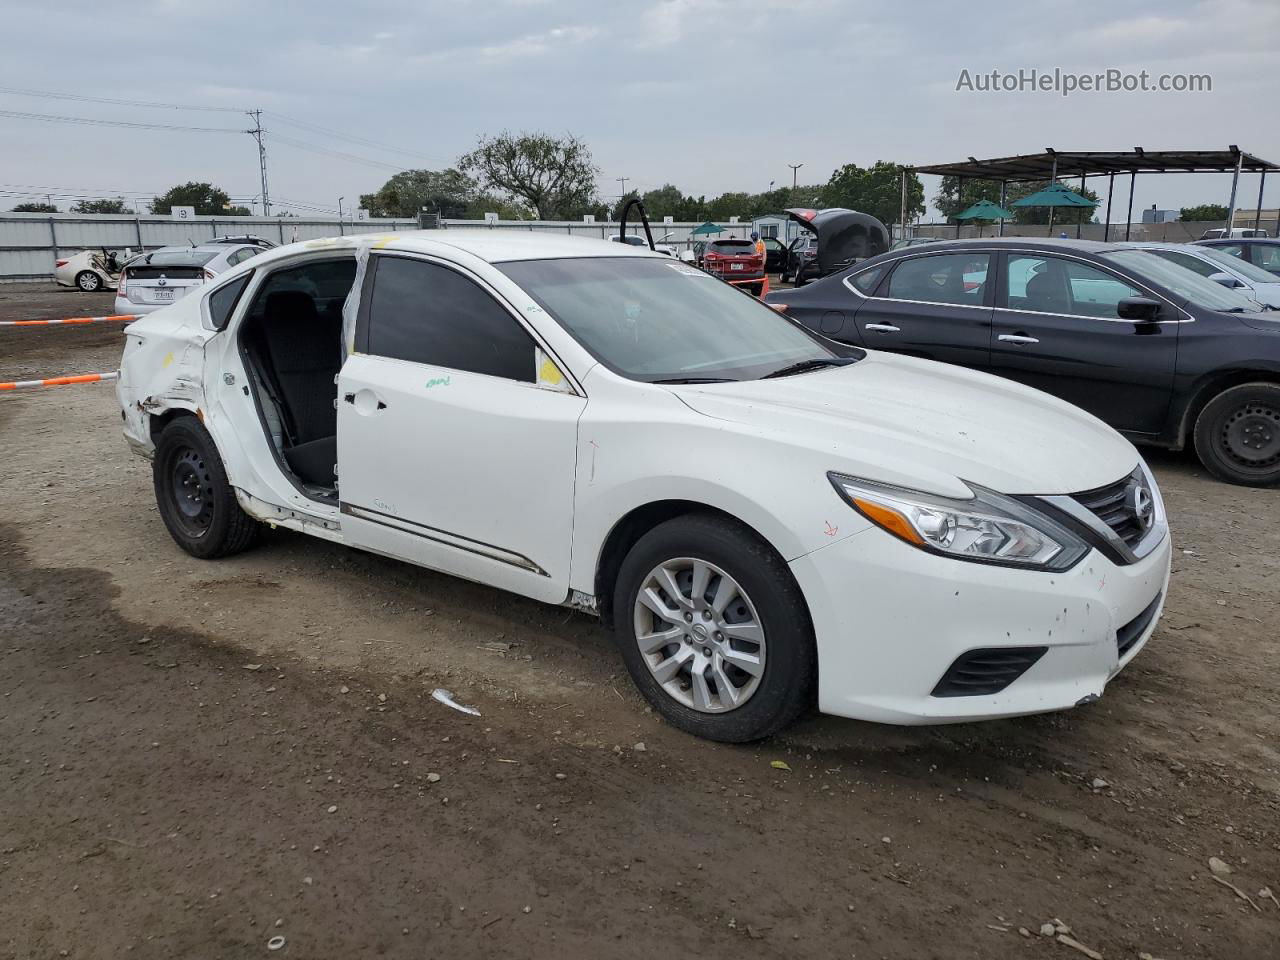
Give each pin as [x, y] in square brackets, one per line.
[746, 689]
[1237, 435]
[88, 281]
[195, 499]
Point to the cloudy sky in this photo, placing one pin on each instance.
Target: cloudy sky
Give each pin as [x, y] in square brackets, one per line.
[711, 95]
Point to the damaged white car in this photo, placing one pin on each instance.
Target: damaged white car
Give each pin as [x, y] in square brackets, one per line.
[764, 518]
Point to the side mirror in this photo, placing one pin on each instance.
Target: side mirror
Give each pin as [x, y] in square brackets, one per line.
[1226, 279]
[1138, 309]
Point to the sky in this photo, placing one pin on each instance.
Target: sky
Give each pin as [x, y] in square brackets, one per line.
[711, 95]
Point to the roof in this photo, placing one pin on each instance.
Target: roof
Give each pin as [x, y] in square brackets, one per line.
[1040, 166]
[497, 246]
[1047, 243]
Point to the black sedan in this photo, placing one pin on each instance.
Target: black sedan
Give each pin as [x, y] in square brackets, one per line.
[1264, 253]
[1161, 353]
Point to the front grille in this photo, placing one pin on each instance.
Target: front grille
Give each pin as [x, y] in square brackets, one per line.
[984, 672]
[1128, 635]
[1114, 506]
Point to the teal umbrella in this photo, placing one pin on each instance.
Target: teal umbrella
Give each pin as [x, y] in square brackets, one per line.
[1055, 195]
[707, 227]
[985, 210]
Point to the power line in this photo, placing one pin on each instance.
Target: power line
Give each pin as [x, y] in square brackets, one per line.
[354, 158]
[119, 102]
[327, 131]
[92, 121]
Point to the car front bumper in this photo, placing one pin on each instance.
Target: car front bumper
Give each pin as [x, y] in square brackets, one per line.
[890, 620]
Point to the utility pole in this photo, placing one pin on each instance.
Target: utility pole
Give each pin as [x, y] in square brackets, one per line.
[623, 182]
[794, 167]
[256, 133]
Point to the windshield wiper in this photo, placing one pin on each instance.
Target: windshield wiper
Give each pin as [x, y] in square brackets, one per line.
[806, 365]
[696, 380]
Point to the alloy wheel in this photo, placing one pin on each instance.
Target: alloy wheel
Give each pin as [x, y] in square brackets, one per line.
[699, 635]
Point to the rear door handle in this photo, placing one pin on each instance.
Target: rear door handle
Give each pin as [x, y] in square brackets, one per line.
[883, 328]
[1016, 338]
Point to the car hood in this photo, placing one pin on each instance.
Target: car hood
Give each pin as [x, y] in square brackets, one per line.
[927, 426]
[1268, 293]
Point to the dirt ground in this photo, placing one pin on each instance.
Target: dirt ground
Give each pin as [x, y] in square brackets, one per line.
[196, 757]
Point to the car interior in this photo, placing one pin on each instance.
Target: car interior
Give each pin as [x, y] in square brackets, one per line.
[291, 343]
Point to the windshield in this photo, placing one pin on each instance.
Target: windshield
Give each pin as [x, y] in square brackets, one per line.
[1242, 267]
[1181, 282]
[632, 241]
[653, 321]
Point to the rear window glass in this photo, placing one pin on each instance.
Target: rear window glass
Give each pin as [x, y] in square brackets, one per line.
[223, 300]
[177, 258]
[732, 246]
[866, 280]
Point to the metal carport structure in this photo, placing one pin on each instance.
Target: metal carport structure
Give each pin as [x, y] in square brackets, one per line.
[1053, 164]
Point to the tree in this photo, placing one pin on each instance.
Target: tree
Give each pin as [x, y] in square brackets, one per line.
[237, 212]
[669, 201]
[100, 206]
[876, 190]
[208, 200]
[35, 208]
[486, 201]
[615, 212]
[554, 176]
[446, 192]
[1205, 211]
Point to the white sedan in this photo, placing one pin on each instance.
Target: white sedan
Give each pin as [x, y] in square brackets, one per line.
[765, 520]
[157, 279]
[88, 270]
[1216, 264]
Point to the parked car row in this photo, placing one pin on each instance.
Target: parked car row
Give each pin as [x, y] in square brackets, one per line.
[1157, 350]
[94, 270]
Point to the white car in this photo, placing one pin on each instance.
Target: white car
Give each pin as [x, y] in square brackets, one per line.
[157, 279]
[635, 240]
[765, 519]
[1216, 264]
[1222, 233]
[88, 270]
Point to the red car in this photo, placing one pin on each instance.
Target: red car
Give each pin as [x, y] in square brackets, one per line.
[736, 261]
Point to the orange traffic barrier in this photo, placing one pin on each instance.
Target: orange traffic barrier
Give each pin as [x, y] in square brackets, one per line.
[58, 381]
[121, 318]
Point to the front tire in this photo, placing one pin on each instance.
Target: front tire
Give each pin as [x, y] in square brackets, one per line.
[196, 501]
[1237, 435]
[88, 281]
[714, 630]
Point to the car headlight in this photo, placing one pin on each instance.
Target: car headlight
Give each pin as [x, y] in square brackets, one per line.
[986, 528]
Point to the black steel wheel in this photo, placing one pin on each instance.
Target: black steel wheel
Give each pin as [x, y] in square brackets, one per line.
[1237, 435]
[195, 499]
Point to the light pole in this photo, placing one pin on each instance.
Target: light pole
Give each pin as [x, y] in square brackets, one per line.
[340, 230]
[794, 167]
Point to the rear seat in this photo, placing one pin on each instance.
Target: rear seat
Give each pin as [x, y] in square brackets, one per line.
[303, 350]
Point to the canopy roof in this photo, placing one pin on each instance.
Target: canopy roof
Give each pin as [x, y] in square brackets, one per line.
[1055, 195]
[1040, 166]
[985, 210]
[707, 227]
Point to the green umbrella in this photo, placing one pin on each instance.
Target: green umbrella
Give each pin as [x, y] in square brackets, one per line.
[1055, 195]
[985, 210]
[707, 227]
